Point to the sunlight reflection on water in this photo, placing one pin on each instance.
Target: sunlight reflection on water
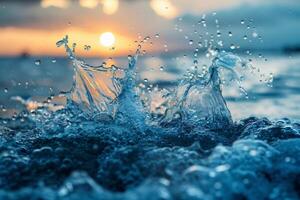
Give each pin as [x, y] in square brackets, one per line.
[39, 82]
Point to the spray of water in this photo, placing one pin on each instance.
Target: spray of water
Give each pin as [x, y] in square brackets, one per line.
[109, 92]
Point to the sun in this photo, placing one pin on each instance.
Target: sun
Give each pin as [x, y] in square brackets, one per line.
[107, 39]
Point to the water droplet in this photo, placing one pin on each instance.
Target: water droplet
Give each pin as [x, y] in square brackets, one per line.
[242, 21]
[230, 34]
[161, 68]
[5, 90]
[245, 37]
[191, 42]
[87, 47]
[147, 38]
[254, 34]
[114, 68]
[146, 80]
[220, 43]
[200, 44]
[195, 62]
[53, 60]
[157, 35]
[74, 47]
[232, 46]
[37, 62]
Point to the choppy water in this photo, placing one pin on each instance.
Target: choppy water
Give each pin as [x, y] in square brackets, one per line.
[21, 77]
[148, 128]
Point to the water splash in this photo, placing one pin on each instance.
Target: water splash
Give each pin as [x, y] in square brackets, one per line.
[109, 92]
[95, 88]
[198, 100]
[104, 92]
[115, 157]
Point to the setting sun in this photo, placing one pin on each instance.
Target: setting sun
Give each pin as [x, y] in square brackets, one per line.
[107, 39]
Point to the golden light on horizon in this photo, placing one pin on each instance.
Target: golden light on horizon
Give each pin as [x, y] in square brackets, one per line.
[89, 3]
[55, 3]
[164, 8]
[107, 39]
[110, 6]
[15, 42]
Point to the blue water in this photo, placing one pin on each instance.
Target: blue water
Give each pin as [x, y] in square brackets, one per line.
[21, 77]
[150, 127]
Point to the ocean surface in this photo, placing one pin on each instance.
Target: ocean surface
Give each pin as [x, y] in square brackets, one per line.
[163, 127]
[23, 77]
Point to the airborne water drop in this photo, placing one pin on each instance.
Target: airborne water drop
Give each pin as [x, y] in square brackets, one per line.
[37, 62]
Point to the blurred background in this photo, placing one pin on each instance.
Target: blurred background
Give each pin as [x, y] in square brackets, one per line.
[266, 32]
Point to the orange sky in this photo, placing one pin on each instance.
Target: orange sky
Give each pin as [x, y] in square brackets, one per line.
[36, 27]
[41, 41]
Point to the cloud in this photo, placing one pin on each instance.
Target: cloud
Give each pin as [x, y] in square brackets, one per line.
[276, 21]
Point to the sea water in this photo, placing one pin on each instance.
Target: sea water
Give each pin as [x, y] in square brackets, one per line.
[118, 136]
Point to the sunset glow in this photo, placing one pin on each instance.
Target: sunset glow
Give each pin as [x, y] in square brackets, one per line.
[55, 3]
[107, 39]
[89, 3]
[99, 47]
[110, 6]
[164, 8]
